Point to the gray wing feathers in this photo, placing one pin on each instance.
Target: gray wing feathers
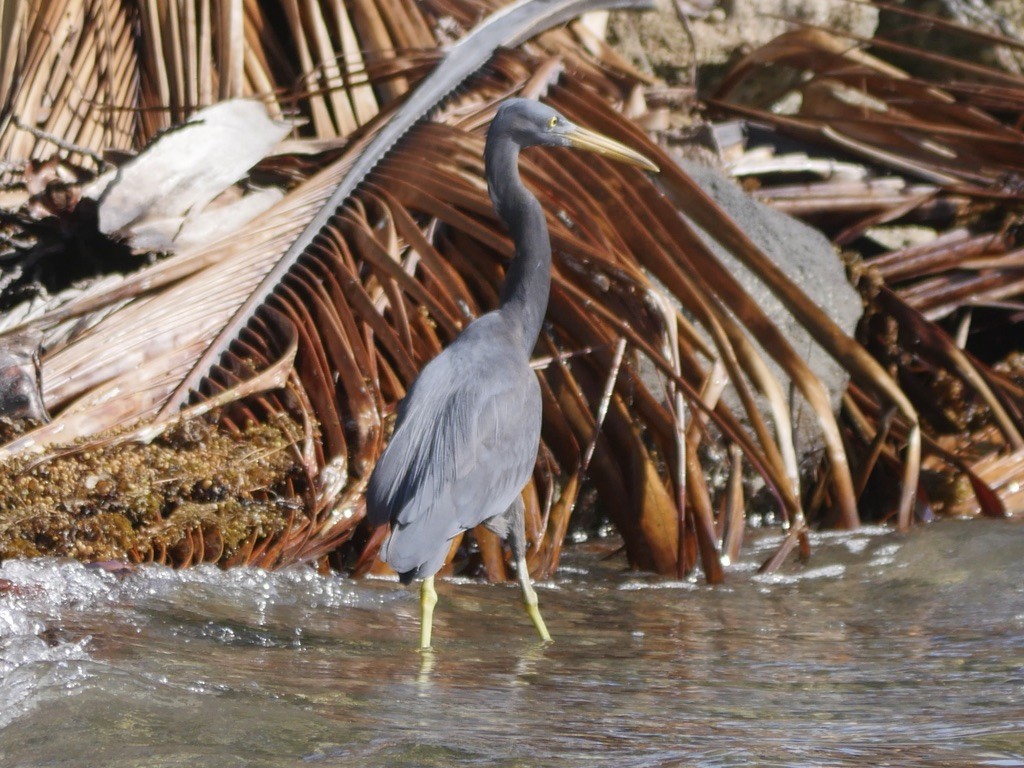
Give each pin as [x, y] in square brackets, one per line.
[464, 446]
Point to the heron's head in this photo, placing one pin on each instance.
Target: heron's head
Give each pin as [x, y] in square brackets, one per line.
[530, 123]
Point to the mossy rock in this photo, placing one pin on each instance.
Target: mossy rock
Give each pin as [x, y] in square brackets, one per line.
[129, 501]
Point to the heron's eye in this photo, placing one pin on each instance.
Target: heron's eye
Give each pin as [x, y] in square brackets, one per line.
[552, 123]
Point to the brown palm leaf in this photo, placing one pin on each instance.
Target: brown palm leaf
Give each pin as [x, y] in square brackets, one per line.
[387, 248]
[960, 135]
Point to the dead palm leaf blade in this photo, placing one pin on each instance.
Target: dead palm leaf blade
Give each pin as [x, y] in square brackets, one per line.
[942, 155]
[314, 318]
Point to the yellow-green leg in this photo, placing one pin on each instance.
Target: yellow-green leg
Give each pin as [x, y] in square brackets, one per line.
[428, 599]
[530, 599]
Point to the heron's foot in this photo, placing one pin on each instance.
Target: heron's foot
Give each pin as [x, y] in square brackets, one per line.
[531, 602]
[538, 621]
[428, 599]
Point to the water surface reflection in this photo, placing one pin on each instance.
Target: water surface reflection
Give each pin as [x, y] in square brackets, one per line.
[884, 650]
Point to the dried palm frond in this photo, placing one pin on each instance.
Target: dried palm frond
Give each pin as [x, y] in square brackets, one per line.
[946, 154]
[387, 246]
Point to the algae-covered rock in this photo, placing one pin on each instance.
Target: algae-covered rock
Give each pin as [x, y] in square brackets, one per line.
[133, 501]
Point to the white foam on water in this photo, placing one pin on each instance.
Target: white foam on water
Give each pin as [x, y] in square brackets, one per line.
[635, 586]
[29, 665]
[57, 583]
[856, 545]
[811, 574]
[38, 659]
[31, 661]
[873, 531]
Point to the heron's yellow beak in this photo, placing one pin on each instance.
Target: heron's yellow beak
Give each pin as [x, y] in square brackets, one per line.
[581, 138]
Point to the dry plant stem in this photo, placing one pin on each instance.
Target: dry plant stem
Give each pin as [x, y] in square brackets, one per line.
[789, 543]
[942, 253]
[697, 489]
[865, 413]
[908, 205]
[961, 365]
[548, 552]
[544, 361]
[684, 21]
[703, 517]
[671, 318]
[730, 427]
[952, 293]
[736, 352]
[606, 397]
[60, 143]
[876, 446]
[770, 387]
[780, 450]
[734, 512]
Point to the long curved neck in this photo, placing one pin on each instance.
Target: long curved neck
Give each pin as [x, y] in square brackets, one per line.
[524, 295]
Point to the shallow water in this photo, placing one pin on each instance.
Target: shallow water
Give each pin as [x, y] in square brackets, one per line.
[884, 650]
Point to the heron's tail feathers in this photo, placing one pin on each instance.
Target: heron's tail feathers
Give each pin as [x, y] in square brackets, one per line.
[417, 550]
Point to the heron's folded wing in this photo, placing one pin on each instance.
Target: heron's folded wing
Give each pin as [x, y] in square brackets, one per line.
[466, 441]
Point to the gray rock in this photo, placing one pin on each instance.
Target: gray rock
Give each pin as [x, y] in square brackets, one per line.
[1003, 18]
[658, 43]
